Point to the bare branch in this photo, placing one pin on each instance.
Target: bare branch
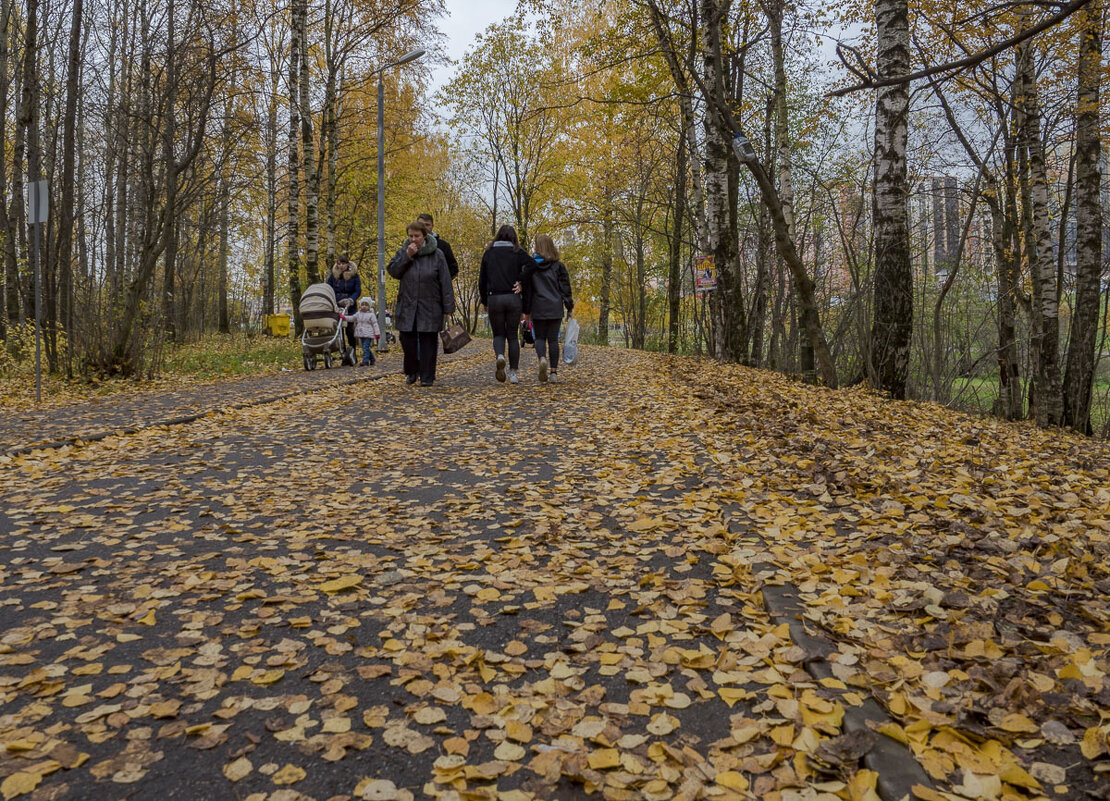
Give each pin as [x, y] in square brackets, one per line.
[970, 61]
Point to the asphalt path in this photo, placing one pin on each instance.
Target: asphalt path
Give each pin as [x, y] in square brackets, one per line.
[378, 590]
[24, 429]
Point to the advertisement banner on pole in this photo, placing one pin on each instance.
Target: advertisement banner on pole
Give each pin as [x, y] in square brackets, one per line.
[705, 274]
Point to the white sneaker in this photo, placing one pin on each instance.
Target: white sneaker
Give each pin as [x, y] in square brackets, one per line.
[512, 377]
[543, 369]
[553, 378]
[500, 369]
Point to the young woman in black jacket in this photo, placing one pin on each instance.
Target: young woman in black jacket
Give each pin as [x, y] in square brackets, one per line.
[546, 293]
[499, 288]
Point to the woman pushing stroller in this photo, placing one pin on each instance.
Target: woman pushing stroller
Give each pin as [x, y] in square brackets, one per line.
[345, 281]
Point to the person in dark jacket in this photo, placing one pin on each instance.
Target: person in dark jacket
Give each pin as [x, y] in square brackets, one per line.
[441, 243]
[546, 293]
[424, 300]
[499, 288]
[344, 280]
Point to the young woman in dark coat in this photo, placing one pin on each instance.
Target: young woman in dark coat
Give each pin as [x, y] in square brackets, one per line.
[344, 280]
[499, 290]
[546, 293]
[424, 301]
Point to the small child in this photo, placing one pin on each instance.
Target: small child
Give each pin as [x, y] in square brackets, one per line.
[366, 329]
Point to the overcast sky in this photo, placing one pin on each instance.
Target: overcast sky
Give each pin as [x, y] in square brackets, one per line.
[467, 19]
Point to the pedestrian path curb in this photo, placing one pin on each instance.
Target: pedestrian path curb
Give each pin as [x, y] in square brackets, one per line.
[173, 421]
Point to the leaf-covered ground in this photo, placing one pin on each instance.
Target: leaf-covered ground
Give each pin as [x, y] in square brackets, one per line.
[542, 591]
[76, 411]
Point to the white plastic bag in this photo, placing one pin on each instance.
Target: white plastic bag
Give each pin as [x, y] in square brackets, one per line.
[570, 342]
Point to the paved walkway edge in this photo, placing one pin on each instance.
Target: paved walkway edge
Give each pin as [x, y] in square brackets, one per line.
[174, 421]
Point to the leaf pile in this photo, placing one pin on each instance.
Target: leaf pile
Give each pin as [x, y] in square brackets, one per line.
[483, 591]
[962, 564]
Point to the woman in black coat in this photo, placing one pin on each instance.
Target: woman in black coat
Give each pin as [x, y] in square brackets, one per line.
[424, 300]
[499, 290]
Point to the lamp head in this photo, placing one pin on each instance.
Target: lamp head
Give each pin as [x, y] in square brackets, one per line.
[407, 57]
[743, 147]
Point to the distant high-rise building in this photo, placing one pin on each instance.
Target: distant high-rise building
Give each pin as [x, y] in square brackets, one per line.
[946, 224]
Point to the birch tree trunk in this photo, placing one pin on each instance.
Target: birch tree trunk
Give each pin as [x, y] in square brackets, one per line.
[298, 12]
[765, 257]
[311, 177]
[10, 311]
[65, 212]
[1045, 329]
[726, 308]
[224, 322]
[605, 302]
[1080, 369]
[674, 276]
[1009, 371]
[783, 161]
[17, 214]
[892, 325]
[30, 121]
[223, 200]
[331, 134]
[269, 269]
[169, 310]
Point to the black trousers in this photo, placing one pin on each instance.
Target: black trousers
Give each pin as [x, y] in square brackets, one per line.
[547, 340]
[504, 320]
[421, 349]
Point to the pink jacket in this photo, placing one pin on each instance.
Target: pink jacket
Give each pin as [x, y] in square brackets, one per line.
[366, 324]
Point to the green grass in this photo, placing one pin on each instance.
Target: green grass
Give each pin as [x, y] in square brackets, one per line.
[222, 356]
[978, 395]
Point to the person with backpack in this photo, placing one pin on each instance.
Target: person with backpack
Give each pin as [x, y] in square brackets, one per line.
[499, 288]
[546, 293]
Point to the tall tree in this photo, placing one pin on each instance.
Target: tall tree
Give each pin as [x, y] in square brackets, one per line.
[721, 179]
[1080, 370]
[1048, 399]
[892, 325]
[12, 310]
[308, 152]
[297, 24]
[64, 250]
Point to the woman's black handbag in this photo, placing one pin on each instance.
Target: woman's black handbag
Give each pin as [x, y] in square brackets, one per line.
[453, 337]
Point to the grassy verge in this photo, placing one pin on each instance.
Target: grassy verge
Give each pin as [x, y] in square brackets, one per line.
[978, 395]
[235, 355]
[213, 357]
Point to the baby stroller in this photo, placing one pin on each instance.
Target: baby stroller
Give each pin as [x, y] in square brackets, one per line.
[323, 333]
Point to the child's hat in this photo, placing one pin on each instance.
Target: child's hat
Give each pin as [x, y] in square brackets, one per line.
[366, 302]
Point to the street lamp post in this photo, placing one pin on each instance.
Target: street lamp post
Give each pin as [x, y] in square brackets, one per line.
[405, 59]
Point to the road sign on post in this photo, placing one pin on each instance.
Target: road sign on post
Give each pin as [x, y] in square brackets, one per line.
[39, 206]
[37, 209]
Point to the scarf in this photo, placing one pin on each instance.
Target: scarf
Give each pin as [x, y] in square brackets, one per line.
[429, 247]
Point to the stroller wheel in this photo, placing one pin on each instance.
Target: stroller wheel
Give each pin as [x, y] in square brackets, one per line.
[310, 362]
[327, 361]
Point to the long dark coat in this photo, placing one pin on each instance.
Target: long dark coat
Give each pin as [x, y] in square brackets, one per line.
[425, 294]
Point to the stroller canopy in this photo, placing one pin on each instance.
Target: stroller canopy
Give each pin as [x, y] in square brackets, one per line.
[319, 309]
